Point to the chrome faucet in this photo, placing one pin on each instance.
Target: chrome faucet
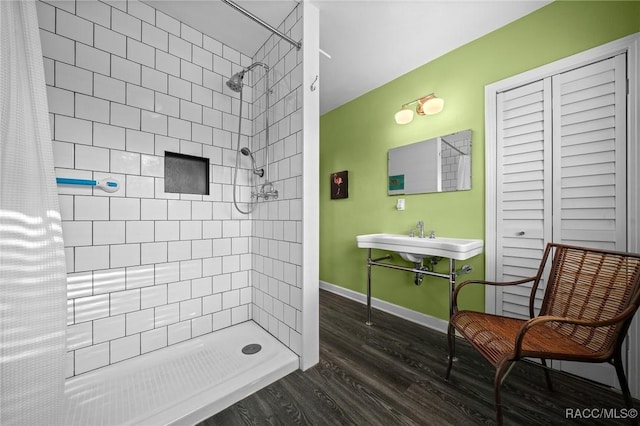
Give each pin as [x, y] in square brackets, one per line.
[432, 234]
[420, 226]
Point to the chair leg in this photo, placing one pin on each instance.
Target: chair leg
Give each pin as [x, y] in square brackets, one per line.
[450, 337]
[547, 376]
[624, 386]
[502, 371]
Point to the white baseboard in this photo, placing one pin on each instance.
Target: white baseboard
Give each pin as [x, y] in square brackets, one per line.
[399, 311]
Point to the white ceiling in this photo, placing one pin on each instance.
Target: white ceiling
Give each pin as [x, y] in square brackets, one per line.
[371, 42]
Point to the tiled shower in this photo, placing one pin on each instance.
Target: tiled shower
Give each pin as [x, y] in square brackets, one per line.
[149, 269]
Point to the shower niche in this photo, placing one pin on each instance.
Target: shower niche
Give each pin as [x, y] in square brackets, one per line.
[186, 174]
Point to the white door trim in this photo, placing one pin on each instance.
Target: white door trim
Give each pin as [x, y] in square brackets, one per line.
[631, 46]
[633, 199]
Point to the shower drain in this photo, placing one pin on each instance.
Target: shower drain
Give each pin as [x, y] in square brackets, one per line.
[251, 349]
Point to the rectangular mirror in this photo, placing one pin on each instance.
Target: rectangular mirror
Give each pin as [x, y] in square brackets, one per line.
[434, 165]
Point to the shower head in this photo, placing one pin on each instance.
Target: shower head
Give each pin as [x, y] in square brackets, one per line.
[247, 152]
[235, 82]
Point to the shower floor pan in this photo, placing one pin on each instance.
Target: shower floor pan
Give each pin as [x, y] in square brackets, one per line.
[181, 384]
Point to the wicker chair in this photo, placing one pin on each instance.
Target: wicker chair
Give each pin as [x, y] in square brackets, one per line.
[589, 302]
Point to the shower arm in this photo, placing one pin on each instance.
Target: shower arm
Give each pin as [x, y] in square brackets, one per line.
[267, 92]
[266, 112]
[254, 18]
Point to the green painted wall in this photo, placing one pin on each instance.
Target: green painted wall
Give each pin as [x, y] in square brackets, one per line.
[357, 136]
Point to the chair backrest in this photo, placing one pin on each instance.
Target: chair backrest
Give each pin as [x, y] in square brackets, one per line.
[591, 285]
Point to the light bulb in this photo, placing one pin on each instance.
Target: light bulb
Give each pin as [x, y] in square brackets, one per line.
[433, 106]
[404, 116]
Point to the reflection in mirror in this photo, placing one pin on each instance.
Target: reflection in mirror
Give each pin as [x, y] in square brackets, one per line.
[434, 165]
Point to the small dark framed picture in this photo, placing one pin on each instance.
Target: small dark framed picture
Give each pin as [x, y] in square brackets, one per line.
[340, 185]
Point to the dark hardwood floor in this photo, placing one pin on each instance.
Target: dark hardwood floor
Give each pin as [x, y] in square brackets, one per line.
[392, 373]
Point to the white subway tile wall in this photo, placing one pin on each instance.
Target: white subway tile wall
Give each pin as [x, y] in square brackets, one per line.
[276, 241]
[147, 269]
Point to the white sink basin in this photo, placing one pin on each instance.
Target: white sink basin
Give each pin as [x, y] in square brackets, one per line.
[414, 249]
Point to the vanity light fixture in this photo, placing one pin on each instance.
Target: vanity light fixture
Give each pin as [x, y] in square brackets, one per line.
[427, 105]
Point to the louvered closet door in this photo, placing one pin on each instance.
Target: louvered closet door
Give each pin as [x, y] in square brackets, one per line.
[561, 177]
[589, 172]
[589, 144]
[523, 191]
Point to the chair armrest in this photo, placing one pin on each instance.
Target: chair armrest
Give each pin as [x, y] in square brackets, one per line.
[622, 316]
[483, 282]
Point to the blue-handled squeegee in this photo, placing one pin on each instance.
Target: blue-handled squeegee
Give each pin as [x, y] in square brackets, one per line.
[107, 184]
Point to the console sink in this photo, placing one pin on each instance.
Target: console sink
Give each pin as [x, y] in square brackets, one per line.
[414, 249]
